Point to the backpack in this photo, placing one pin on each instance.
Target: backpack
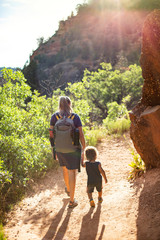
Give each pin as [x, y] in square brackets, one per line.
[64, 134]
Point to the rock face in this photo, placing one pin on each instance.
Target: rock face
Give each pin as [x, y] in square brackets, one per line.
[84, 41]
[145, 117]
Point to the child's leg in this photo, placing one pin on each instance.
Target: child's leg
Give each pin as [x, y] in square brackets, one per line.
[89, 195]
[99, 189]
[89, 192]
[100, 194]
[100, 199]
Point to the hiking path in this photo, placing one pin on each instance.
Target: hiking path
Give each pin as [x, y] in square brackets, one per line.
[43, 213]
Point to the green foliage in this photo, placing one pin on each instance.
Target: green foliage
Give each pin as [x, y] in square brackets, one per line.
[132, 83]
[30, 73]
[117, 121]
[2, 236]
[80, 8]
[95, 135]
[102, 96]
[106, 86]
[80, 104]
[40, 41]
[5, 176]
[24, 144]
[117, 111]
[117, 127]
[138, 166]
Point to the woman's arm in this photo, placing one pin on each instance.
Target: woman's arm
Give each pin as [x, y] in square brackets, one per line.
[83, 143]
[51, 132]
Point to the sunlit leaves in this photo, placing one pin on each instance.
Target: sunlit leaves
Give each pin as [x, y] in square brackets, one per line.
[15, 90]
[24, 116]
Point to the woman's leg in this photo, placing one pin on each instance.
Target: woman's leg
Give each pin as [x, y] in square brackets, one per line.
[72, 183]
[66, 178]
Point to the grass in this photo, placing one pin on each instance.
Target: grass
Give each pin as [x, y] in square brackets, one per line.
[118, 127]
[95, 135]
[115, 128]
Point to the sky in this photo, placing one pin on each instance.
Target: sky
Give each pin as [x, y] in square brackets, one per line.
[22, 22]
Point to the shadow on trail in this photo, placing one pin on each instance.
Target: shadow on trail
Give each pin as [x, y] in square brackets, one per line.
[61, 231]
[89, 226]
[148, 220]
[55, 222]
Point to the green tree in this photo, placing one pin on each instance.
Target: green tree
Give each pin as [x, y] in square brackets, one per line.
[24, 144]
[105, 86]
[40, 41]
[30, 73]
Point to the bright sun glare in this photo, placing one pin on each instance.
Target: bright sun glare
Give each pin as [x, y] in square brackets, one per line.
[22, 22]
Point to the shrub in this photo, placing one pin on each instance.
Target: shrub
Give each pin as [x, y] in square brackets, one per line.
[94, 136]
[117, 121]
[118, 127]
[138, 166]
[2, 236]
[24, 143]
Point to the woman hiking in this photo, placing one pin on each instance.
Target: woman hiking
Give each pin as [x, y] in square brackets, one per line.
[68, 154]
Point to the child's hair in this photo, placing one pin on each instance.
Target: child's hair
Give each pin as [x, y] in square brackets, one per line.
[91, 153]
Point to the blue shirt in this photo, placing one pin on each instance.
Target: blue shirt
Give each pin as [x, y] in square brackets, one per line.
[76, 120]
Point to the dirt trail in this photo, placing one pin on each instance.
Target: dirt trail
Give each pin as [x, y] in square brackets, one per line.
[43, 215]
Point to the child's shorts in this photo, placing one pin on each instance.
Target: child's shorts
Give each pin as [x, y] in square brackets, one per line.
[98, 186]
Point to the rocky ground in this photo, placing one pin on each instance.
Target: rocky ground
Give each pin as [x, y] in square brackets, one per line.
[129, 210]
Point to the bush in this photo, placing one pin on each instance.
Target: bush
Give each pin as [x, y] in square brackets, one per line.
[138, 166]
[24, 143]
[2, 237]
[117, 121]
[95, 135]
[118, 127]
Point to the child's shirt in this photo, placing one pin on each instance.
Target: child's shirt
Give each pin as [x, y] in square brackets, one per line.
[94, 175]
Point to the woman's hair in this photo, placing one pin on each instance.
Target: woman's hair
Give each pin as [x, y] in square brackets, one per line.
[91, 153]
[65, 107]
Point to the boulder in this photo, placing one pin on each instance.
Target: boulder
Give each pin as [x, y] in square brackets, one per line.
[145, 117]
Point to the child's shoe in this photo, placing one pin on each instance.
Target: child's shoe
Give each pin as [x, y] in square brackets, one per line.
[92, 204]
[100, 199]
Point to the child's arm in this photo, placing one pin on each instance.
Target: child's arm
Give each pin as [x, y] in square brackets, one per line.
[83, 164]
[102, 172]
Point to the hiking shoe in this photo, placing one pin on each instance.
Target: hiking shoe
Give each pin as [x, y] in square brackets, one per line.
[68, 193]
[72, 204]
[100, 199]
[92, 204]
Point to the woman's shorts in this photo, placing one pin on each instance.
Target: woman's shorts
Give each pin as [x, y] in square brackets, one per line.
[70, 160]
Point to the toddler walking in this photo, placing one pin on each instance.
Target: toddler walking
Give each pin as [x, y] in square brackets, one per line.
[95, 172]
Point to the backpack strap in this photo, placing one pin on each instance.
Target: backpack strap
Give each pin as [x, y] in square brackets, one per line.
[72, 116]
[58, 116]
